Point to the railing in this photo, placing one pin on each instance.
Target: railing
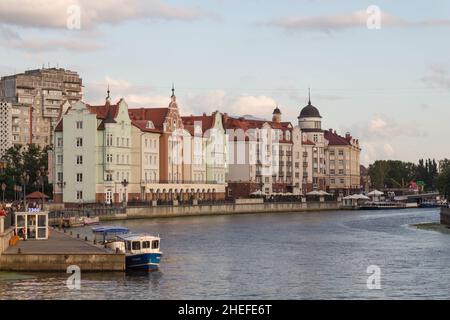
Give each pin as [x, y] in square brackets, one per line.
[178, 182]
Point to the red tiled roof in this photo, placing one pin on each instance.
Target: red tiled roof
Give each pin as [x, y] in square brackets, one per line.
[102, 110]
[156, 115]
[246, 124]
[308, 142]
[336, 140]
[142, 125]
[207, 122]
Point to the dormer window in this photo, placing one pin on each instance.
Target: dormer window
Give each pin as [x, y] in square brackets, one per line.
[150, 125]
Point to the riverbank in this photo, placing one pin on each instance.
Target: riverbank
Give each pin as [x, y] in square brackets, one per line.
[220, 209]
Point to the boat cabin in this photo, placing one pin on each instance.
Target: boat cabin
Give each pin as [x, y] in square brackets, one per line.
[141, 243]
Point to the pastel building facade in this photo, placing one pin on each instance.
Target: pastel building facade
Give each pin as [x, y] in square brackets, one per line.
[330, 162]
[111, 154]
[261, 156]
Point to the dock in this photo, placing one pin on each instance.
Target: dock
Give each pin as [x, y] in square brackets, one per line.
[58, 253]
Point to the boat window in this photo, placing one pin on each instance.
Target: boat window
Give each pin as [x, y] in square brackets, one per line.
[145, 244]
[155, 244]
[129, 245]
[136, 245]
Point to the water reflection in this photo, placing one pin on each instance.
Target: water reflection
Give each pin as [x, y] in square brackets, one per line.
[272, 256]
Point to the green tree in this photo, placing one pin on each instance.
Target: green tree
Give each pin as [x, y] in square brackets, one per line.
[28, 160]
[443, 180]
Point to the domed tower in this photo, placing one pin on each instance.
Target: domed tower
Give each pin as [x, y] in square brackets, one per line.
[310, 118]
[276, 115]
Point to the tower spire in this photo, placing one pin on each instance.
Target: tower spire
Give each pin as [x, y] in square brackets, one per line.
[173, 90]
[309, 96]
[108, 98]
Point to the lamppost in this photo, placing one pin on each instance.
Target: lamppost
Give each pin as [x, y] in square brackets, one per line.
[125, 184]
[41, 174]
[25, 179]
[3, 190]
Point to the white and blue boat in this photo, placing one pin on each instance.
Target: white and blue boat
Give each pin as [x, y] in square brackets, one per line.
[142, 251]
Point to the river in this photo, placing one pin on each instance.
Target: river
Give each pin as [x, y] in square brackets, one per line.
[316, 255]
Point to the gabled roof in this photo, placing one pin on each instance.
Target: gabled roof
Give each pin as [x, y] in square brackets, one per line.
[156, 115]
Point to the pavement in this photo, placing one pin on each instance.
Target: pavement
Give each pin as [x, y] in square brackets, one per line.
[57, 242]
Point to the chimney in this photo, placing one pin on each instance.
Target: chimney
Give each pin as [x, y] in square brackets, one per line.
[348, 136]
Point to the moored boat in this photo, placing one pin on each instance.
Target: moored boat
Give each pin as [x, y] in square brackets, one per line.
[142, 251]
[383, 205]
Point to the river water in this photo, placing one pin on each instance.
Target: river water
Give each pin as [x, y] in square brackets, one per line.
[321, 255]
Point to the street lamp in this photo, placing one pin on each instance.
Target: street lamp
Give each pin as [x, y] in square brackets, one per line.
[41, 174]
[125, 184]
[25, 179]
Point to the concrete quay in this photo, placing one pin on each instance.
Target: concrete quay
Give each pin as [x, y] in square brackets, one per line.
[57, 253]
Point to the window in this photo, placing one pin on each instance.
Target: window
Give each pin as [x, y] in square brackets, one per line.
[109, 177]
[331, 152]
[59, 142]
[79, 159]
[109, 140]
[332, 181]
[341, 171]
[79, 177]
[341, 152]
[79, 142]
[59, 177]
[136, 245]
[316, 138]
[155, 244]
[109, 158]
[79, 124]
[145, 244]
[59, 159]
[79, 195]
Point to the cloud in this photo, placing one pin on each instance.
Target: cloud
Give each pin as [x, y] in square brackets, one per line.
[378, 135]
[356, 19]
[437, 76]
[54, 14]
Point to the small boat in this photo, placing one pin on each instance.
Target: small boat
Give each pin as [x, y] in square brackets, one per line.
[90, 221]
[435, 204]
[383, 205]
[142, 251]
[72, 222]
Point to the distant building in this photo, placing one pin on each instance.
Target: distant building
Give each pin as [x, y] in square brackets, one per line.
[36, 97]
[366, 182]
[330, 162]
[5, 127]
[261, 156]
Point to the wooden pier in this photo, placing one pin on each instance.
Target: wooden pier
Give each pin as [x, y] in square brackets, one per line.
[58, 253]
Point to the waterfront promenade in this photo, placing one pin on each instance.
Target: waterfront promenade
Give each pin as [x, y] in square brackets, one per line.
[57, 253]
[169, 211]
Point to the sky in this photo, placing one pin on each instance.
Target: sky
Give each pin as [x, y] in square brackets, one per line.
[377, 69]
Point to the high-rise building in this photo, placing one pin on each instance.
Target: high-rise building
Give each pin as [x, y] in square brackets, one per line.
[36, 97]
[5, 127]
